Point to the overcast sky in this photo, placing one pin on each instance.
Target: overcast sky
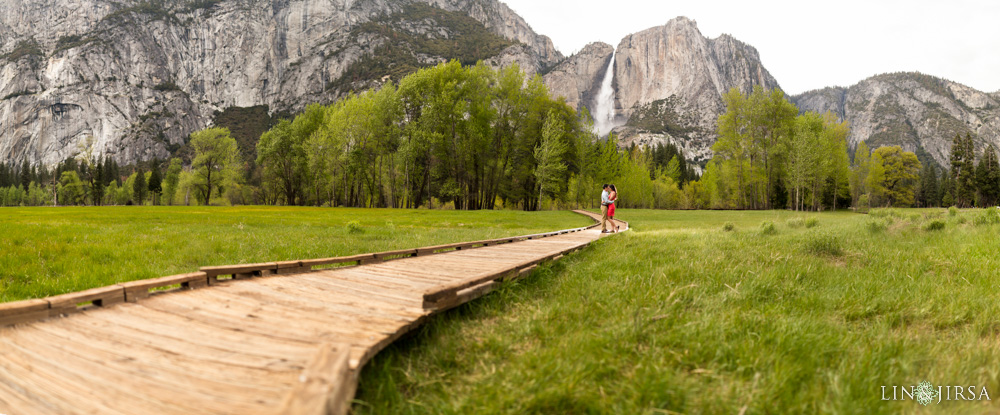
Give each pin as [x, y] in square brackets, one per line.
[805, 45]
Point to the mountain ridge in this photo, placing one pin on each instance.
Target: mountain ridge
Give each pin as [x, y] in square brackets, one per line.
[919, 112]
[141, 76]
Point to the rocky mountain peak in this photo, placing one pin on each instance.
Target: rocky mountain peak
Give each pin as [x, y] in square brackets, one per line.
[676, 62]
[918, 112]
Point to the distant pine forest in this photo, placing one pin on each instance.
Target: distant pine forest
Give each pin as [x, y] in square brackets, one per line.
[472, 137]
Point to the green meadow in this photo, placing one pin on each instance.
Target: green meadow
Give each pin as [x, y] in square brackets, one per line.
[722, 312]
[48, 251]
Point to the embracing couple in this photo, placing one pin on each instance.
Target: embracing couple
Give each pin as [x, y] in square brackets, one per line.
[608, 198]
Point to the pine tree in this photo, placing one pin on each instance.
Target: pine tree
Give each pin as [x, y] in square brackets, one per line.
[928, 196]
[947, 190]
[139, 187]
[963, 170]
[155, 183]
[988, 178]
[551, 169]
[97, 184]
[25, 175]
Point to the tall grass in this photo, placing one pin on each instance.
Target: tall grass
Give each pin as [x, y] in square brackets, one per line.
[678, 317]
[47, 251]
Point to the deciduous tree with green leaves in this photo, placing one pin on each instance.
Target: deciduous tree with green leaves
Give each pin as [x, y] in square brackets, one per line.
[216, 161]
[172, 180]
[894, 176]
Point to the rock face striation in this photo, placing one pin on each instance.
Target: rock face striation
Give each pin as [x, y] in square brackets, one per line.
[578, 77]
[670, 71]
[139, 76]
[918, 112]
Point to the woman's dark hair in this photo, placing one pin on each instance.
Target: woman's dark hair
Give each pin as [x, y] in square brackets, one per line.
[612, 187]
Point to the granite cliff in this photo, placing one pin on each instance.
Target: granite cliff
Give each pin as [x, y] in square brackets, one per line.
[918, 112]
[671, 72]
[139, 76]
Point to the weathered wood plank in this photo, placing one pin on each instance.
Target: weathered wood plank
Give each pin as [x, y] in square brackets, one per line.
[353, 259]
[214, 272]
[23, 311]
[97, 297]
[321, 388]
[137, 290]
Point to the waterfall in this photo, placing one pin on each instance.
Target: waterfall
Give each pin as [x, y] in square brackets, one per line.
[604, 107]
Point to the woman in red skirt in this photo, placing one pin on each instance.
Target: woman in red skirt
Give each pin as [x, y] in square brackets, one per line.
[613, 197]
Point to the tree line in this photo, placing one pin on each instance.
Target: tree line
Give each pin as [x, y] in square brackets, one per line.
[478, 138]
[769, 156]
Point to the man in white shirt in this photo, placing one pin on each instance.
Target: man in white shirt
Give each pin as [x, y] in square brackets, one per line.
[604, 209]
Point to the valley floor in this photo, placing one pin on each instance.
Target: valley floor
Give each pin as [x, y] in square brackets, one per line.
[680, 315]
[49, 251]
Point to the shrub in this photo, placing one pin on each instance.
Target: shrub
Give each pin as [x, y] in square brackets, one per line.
[962, 219]
[862, 204]
[953, 211]
[728, 227]
[988, 217]
[354, 227]
[934, 225]
[916, 217]
[812, 222]
[825, 245]
[876, 225]
[795, 223]
[767, 228]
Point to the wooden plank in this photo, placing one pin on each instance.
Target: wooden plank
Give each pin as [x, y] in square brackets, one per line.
[14, 396]
[289, 264]
[428, 250]
[343, 304]
[336, 285]
[136, 290]
[157, 324]
[124, 389]
[129, 361]
[111, 348]
[307, 328]
[98, 297]
[322, 385]
[465, 296]
[55, 390]
[336, 260]
[87, 327]
[435, 294]
[383, 256]
[215, 271]
[23, 311]
[308, 317]
[296, 270]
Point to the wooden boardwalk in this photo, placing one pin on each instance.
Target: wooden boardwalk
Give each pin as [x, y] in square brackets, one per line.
[281, 344]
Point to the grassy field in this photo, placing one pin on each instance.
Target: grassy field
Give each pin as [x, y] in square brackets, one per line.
[47, 251]
[784, 313]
